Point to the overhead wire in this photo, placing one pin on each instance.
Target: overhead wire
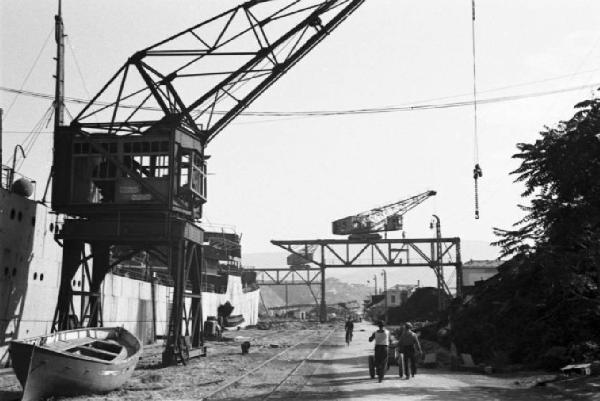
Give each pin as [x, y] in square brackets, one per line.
[37, 58]
[80, 73]
[30, 140]
[362, 111]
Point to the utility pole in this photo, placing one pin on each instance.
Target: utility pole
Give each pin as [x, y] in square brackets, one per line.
[385, 296]
[375, 280]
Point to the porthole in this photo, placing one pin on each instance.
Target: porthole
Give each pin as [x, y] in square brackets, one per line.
[42, 277]
[51, 227]
[33, 221]
[14, 272]
[6, 271]
[35, 276]
[79, 284]
[20, 216]
[12, 214]
[74, 282]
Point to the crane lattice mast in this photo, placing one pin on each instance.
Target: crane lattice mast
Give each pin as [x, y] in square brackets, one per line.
[383, 218]
[200, 79]
[130, 170]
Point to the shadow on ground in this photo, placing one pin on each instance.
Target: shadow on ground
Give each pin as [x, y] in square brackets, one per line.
[10, 395]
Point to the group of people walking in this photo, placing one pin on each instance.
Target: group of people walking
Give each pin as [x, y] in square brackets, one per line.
[409, 348]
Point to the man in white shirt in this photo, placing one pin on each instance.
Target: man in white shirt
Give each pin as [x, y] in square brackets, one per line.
[382, 341]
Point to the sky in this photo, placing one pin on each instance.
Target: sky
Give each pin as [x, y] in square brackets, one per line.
[289, 178]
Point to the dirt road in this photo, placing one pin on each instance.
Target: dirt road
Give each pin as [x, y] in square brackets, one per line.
[341, 373]
[307, 363]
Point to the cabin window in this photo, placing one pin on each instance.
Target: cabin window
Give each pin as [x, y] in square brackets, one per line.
[6, 270]
[51, 227]
[192, 173]
[393, 299]
[12, 214]
[20, 216]
[35, 276]
[42, 277]
[14, 272]
[33, 221]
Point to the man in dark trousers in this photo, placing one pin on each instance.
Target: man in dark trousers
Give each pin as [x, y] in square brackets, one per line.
[408, 343]
[349, 329]
[382, 341]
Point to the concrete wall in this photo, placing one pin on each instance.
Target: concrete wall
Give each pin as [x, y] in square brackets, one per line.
[128, 303]
[244, 303]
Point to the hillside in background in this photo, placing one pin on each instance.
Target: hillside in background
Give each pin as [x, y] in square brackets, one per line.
[335, 289]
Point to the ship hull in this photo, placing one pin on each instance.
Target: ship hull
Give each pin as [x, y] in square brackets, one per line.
[30, 280]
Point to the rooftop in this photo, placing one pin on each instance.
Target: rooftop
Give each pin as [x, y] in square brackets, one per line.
[482, 264]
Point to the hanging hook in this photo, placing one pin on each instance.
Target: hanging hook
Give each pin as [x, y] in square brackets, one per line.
[477, 173]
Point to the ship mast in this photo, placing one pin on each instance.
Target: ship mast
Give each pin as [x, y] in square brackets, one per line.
[59, 92]
[59, 89]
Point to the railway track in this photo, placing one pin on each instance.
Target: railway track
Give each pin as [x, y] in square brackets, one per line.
[229, 389]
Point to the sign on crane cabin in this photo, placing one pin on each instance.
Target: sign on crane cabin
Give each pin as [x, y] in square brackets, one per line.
[99, 174]
[380, 219]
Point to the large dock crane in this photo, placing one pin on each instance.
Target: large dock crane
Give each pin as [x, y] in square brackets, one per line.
[130, 170]
[380, 219]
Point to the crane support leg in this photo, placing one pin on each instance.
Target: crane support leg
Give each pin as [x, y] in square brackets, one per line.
[323, 314]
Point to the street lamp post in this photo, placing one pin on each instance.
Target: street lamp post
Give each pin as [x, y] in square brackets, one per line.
[437, 252]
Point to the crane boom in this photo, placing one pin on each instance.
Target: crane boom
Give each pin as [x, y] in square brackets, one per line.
[383, 218]
[200, 79]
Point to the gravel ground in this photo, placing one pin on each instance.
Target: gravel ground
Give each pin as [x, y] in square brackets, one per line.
[315, 379]
[201, 376]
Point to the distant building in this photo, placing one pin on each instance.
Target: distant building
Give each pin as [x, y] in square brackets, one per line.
[398, 294]
[479, 270]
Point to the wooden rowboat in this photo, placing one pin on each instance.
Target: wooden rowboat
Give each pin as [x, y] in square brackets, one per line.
[72, 362]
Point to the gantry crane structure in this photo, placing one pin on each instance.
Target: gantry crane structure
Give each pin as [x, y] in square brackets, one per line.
[130, 170]
[384, 218]
[364, 247]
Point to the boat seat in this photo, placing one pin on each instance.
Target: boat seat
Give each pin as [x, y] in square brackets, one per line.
[92, 352]
[61, 345]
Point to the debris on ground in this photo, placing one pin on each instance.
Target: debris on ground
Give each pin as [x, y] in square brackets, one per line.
[420, 306]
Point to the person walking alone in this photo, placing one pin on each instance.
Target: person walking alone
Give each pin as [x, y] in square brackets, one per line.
[408, 343]
[349, 329]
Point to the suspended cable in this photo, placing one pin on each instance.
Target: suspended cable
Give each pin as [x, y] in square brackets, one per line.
[29, 73]
[87, 92]
[477, 172]
[28, 143]
[373, 110]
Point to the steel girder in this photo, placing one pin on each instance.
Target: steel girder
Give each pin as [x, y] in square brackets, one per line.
[291, 276]
[287, 276]
[434, 253]
[176, 242]
[203, 77]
